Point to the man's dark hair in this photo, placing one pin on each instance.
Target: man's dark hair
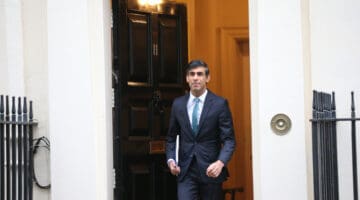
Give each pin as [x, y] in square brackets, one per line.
[197, 63]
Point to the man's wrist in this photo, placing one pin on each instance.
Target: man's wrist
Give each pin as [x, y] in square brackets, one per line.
[221, 162]
[170, 160]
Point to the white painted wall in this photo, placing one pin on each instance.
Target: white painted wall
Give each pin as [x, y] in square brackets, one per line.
[24, 58]
[23, 67]
[61, 50]
[36, 83]
[296, 47]
[335, 61]
[58, 54]
[11, 48]
[80, 99]
[278, 86]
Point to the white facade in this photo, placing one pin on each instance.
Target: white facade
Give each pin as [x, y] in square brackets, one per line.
[335, 66]
[11, 47]
[58, 54]
[278, 86]
[295, 47]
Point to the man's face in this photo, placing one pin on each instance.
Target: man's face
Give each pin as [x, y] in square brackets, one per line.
[197, 79]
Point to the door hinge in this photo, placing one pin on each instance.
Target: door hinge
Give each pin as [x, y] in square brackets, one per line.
[114, 178]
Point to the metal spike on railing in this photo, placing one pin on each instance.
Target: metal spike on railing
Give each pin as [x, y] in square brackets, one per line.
[317, 102]
[19, 109]
[314, 100]
[7, 108]
[326, 102]
[31, 115]
[329, 101]
[2, 107]
[25, 117]
[13, 110]
[333, 105]
[320, 101]
[352, 105]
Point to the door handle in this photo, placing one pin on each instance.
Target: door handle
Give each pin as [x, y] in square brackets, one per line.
[157, 102]
[155, 49]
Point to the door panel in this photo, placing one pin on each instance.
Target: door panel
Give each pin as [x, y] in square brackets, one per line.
[169, 54]
[139, 120]
[149, 52]
[140, 178]
[139, 47]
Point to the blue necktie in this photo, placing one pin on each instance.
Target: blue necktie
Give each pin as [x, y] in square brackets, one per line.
[194, 122]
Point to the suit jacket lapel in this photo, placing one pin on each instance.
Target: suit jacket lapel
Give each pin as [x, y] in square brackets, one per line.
[207, 106]
[184, 113]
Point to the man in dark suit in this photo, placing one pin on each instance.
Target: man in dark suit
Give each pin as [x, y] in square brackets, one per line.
[203, 122]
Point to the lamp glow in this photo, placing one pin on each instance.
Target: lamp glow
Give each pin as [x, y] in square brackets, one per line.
[149, 2]
[154, 2]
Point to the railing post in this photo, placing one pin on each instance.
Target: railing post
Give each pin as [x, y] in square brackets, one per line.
[335, 185]
[322, 152]
[26, 154]
[315, 147]
[353, 144]
[31, 158]
[326, 146]
[2, 151]
[20, 149]
[13, 150]
[7, 118]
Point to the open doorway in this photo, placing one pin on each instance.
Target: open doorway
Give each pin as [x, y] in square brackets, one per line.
[218, 32]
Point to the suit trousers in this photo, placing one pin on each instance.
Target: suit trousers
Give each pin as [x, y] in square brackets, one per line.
[192, 188]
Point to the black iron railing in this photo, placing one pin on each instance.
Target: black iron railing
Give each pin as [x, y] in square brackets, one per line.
[16, 158]
[324, 144]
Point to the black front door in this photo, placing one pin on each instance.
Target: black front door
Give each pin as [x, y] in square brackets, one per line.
[150, 52]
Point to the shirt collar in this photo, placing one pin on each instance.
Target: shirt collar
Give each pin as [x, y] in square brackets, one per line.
[202, 97]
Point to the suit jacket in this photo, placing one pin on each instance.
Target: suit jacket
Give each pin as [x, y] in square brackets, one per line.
[214, 141]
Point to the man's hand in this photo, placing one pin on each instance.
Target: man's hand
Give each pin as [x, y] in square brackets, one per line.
[174, 169]
[214, 169]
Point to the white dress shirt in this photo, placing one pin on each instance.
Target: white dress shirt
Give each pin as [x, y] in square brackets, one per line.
[191, 104]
